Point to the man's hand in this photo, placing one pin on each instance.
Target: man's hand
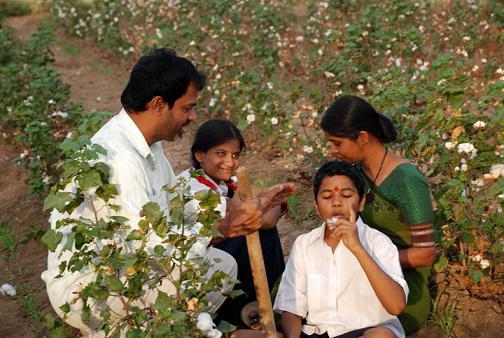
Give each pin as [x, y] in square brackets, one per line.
[275, 195]
[245, 217]
[242, 218]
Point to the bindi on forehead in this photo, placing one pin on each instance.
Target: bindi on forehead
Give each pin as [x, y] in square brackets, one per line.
[336, 188]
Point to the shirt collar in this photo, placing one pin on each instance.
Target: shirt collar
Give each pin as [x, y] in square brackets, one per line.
[135, 135]
[222, 188]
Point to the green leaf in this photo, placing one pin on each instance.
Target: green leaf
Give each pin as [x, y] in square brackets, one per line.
[113, 283]
[135, 235]
[159, 249]
[51, 239]
[441, 264]
[65, 308]
[89, 180]
[144, 225]
[106, 192]
[226, 327]
[152, 212]
[57, 200]
[161, 229]
[70, 168]
[163, 301]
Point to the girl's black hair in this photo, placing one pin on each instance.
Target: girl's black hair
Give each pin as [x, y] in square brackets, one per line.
[211, 134]
[349, 115]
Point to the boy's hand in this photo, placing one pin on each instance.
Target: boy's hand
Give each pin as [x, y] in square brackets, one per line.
[347, 231]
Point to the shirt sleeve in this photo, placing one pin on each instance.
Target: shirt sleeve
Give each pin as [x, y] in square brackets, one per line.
[292, 292]
[385, 254]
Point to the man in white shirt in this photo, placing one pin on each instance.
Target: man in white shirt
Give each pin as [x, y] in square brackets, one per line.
[344, 277]
[159, 100]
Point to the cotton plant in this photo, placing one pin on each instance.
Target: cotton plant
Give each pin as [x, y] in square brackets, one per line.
[118, 251]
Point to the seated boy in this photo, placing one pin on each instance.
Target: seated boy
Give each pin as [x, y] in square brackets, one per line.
[344, 277]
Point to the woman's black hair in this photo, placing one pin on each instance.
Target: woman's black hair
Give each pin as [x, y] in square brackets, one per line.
[349, 115]
[160, 73]
[334, 168]
[211, 134]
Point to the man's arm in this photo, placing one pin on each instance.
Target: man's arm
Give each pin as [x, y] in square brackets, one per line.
[291, 325]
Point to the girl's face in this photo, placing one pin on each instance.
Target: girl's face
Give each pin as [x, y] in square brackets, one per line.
[220, 162]
[344, 148]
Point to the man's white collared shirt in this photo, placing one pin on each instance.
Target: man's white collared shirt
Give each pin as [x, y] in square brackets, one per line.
[331, 290]
[139, 172]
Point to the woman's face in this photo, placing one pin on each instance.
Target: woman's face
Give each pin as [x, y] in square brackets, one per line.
[220, 162]
[344, 148]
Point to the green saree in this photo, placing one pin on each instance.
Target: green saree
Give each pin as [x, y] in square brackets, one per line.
[401, 200]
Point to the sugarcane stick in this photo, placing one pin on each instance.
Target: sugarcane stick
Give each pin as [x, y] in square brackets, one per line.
[257, 264]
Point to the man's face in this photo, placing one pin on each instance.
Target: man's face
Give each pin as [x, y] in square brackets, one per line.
[337, 194]
[181, 114]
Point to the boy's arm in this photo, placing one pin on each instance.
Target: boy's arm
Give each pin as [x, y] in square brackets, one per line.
[291, 325]
[388, 291]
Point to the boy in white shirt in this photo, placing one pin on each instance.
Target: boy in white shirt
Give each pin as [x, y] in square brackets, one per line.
[343, 278]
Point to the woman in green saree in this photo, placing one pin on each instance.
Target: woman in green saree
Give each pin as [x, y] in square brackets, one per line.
[397, 201]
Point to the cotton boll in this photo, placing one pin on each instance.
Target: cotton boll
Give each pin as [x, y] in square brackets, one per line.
[8, 290]
[214, 333]
[205, 323]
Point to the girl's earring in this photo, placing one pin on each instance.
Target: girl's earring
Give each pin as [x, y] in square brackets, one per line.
[201, 164]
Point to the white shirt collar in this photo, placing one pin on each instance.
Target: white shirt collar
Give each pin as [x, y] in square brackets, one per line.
[136, 137]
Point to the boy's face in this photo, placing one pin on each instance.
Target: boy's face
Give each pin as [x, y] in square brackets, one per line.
[336, 195]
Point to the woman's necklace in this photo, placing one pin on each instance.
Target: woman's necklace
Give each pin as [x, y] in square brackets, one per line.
[369, 195]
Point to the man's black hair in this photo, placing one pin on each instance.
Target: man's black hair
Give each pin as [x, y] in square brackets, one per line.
[333, 168]
[160, 73]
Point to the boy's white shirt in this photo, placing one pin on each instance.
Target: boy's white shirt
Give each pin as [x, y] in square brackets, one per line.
[331, 290]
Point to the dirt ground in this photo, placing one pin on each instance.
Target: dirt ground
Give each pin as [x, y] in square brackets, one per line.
[97, 79]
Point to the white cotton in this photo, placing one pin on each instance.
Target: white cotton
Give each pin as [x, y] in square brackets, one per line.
[251, 118]
[205, 323]
[450, 145]
[8, 289]
[274, 121]
[214, 333]
[476, 258]
[497, 170]
[479, 125]
[61, 114]
[484, 263]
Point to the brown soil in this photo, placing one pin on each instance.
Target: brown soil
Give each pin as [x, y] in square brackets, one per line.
[97, 79]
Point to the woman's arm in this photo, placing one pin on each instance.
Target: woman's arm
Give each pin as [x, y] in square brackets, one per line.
[291, 325]
[416, 257]
[422, 251]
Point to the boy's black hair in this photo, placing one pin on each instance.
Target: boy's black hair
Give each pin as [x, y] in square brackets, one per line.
[160, 73]
[211, 134]
[333, 168]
